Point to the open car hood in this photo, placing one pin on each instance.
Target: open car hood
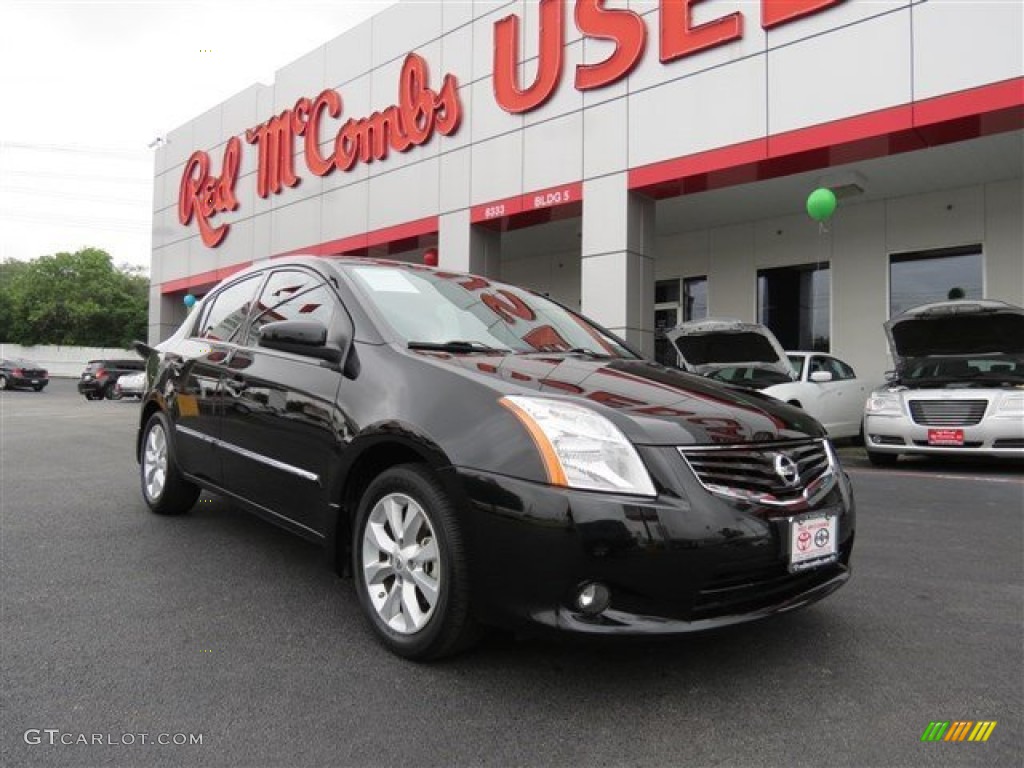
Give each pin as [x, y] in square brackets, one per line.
[951, 328]
[709, 345]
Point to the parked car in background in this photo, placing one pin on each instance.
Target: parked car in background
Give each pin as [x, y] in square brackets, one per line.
[958, 387]
[748, 355]
[100, 377]
[17, 373]
[131, 385]
[474, 453]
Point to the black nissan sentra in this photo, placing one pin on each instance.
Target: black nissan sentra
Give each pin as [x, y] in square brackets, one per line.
[475, 454]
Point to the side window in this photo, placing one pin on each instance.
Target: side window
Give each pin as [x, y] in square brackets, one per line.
[842, 371]
[224, 319]
[839, 370]
[294, 295]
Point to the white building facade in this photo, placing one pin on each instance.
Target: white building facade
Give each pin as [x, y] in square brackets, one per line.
[645, 162]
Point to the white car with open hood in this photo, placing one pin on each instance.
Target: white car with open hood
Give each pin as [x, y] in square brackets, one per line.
[749, 355]
[958, 387]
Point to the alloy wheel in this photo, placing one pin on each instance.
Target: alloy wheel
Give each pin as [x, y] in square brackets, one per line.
[154, 463]
[401, 563]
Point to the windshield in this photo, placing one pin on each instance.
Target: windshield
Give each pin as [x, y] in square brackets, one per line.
[751, 377]
[474, 314]
[987, 368]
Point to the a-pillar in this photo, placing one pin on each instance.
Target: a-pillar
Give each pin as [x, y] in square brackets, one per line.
[463, 247]
[618, 260]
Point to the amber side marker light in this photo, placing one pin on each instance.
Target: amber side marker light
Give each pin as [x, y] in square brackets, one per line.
[556, 475]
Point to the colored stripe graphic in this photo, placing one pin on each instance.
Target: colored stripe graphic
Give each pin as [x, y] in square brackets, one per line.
[958, 730]
[982, 730]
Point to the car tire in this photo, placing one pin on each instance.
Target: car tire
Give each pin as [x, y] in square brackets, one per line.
[883, 459]
[410, 565]
[164, 488]
[3, 382]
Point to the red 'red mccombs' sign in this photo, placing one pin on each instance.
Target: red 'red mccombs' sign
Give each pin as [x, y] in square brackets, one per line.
[420, 112]
[412, 122]
[203, 195]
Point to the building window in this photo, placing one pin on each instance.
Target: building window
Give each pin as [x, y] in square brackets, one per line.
[667, 316]
[695, 298]
[676, 301]
[926, 276]
[795, 303]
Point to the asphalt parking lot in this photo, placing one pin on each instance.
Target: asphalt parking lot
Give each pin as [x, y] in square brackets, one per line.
[117, 623]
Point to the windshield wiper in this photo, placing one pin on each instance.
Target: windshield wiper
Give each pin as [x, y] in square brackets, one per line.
[457, 347]
[585, 351]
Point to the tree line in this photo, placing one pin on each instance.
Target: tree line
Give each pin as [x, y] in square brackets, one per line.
[77, 299]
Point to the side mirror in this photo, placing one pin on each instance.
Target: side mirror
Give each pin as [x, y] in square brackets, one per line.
[300, 337]
[820, 377]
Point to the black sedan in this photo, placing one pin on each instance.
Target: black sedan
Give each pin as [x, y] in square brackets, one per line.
[475, 454]
[23, 374]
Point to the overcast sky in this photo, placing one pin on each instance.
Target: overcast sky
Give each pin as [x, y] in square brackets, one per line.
[86, 85]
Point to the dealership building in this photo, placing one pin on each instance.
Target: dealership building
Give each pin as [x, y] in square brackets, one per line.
[645, 162]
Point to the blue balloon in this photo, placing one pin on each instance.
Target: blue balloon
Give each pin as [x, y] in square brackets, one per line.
[190, 300]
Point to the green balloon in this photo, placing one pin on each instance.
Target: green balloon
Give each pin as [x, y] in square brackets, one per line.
[821, 204]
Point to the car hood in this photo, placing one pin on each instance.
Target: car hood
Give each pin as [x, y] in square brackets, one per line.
[651, 403]
[713, 344]
[951, 328]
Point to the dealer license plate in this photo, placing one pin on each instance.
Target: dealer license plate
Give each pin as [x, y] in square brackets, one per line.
[812, 541]
[945, 437]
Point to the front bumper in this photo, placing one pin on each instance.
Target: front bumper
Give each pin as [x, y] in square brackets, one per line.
[995, 436]
[682, 562]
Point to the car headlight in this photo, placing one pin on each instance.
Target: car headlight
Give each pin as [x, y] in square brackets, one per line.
[580, 448]
[1011, 406]
[883, 404]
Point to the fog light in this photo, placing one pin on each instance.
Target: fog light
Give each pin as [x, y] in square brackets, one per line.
[593, 598]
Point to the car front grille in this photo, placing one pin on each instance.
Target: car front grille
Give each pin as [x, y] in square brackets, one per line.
[761, 473]
[947, 413]
[741, 590]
